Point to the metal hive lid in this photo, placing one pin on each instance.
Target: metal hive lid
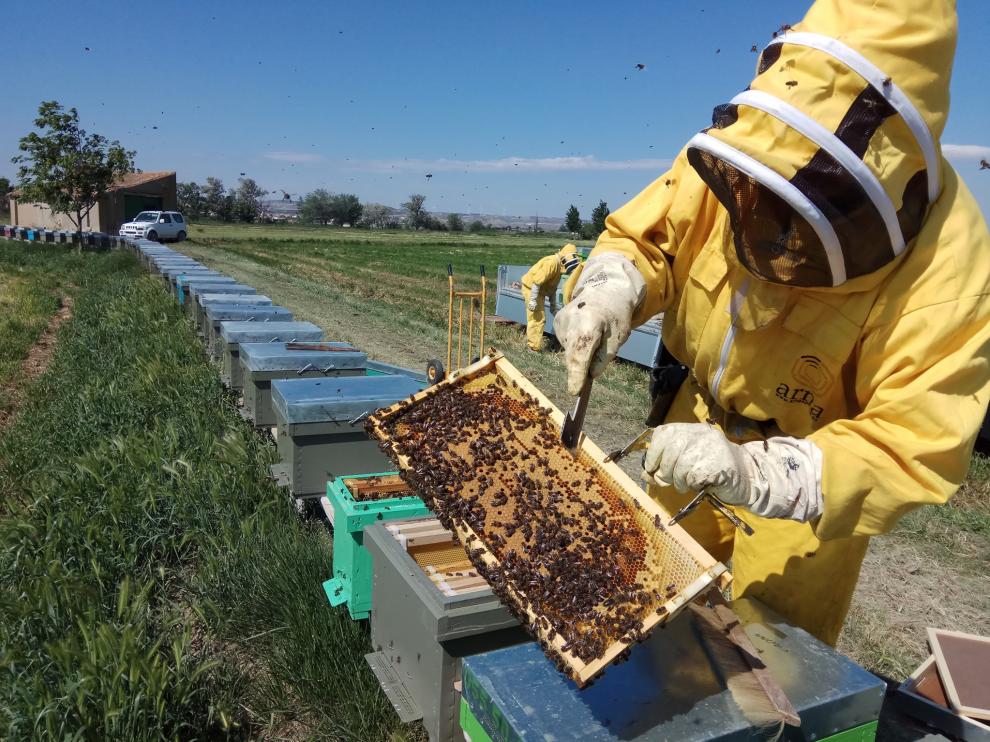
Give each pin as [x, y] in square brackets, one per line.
[254, 332]
[231, 312]
[175, 271]
[190, 280]
[242, 298]
[338, 399]
[275, 357]
[176, 260]
[196, 289]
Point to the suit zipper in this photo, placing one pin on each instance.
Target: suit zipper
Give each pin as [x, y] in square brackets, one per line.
[735, 305]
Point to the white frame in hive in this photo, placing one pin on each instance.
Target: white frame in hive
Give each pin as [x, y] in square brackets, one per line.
[714, 573]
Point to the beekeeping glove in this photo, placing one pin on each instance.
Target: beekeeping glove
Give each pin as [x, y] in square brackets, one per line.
[534, 297]
[598, 318]
[777, 478]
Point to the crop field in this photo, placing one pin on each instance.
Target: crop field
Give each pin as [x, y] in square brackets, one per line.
[156, 583]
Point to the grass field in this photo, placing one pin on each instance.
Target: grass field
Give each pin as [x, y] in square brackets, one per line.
[156, 585]
[30, 293]
[386, 292]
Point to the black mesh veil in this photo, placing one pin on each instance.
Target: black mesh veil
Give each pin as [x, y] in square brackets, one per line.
[771, 239]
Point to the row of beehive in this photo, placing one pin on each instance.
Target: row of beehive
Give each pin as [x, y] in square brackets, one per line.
[82, 240]
[312, 396]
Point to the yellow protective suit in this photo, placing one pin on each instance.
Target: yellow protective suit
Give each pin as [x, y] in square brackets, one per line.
[885, 367]
[545, 275]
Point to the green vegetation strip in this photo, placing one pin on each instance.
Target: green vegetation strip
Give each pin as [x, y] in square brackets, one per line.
[29, 294]
[156, 584]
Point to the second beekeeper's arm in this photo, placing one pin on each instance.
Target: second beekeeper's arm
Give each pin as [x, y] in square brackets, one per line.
[628, 277]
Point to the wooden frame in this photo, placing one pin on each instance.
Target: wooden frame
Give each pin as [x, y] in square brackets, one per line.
[713, 573]
[449, 580]
[945, 672]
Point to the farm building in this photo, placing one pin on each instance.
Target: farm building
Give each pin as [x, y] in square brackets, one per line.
[131, 194]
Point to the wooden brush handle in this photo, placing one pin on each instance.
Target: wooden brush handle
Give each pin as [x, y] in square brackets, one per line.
[730, 623]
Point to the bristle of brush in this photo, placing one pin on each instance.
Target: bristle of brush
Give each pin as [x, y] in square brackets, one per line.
[758, 708]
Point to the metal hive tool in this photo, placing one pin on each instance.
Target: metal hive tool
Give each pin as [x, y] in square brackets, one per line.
[568, 541]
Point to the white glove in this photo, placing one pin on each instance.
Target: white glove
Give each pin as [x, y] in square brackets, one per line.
[598, 318]
[777, 478]
[534, 298]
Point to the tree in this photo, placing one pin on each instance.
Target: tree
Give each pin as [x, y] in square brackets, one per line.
[377, 216]
[455, 223]
[216, 202]
[4, 194]
[65, 167]
[572, 221]
[247, 200]
[317, 207]
[190, 199]
[476, 226]
[345, 208]
[419, 217]
[598, 216]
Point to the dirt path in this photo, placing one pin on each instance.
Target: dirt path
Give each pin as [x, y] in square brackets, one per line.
[37, 359]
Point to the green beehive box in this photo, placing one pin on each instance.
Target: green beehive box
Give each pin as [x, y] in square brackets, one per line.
[380, 497]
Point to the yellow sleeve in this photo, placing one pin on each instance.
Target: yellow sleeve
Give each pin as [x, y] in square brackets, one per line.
[922, 383]
[645, 231]
[541, 271]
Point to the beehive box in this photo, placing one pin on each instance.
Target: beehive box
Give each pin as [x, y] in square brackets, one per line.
[191, 287]
[184, 283]
[235, 333]
[249, 298]
[172, 273]
[421, 631]
[355, 502]
[262, 363]
[571, 543]
[320, 428]
[171, 267]
[674, 687]
[214, 314]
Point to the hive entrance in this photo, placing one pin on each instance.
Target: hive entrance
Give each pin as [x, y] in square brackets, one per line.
[588, 567]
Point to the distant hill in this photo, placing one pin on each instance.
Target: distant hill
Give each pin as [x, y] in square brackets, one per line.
[283, 209]
[498, 221]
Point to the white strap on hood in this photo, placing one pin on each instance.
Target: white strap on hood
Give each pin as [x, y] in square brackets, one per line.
[826, 140]
[885, 86]
[786, 190]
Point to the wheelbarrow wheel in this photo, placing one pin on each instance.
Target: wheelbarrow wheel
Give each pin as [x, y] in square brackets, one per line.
[435, 372]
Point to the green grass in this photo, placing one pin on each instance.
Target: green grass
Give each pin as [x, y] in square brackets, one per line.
[30, 293]
[156, 584]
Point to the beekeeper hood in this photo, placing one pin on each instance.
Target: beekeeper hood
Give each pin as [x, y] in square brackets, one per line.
[569, 257]
[829, 161]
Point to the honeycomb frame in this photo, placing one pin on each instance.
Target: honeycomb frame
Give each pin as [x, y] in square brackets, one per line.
[703, 573]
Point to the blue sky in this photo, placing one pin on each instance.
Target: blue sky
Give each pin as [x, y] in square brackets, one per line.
[540, 103]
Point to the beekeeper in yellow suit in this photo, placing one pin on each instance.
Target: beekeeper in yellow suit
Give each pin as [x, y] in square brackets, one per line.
[824, 275]
[539, 283]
